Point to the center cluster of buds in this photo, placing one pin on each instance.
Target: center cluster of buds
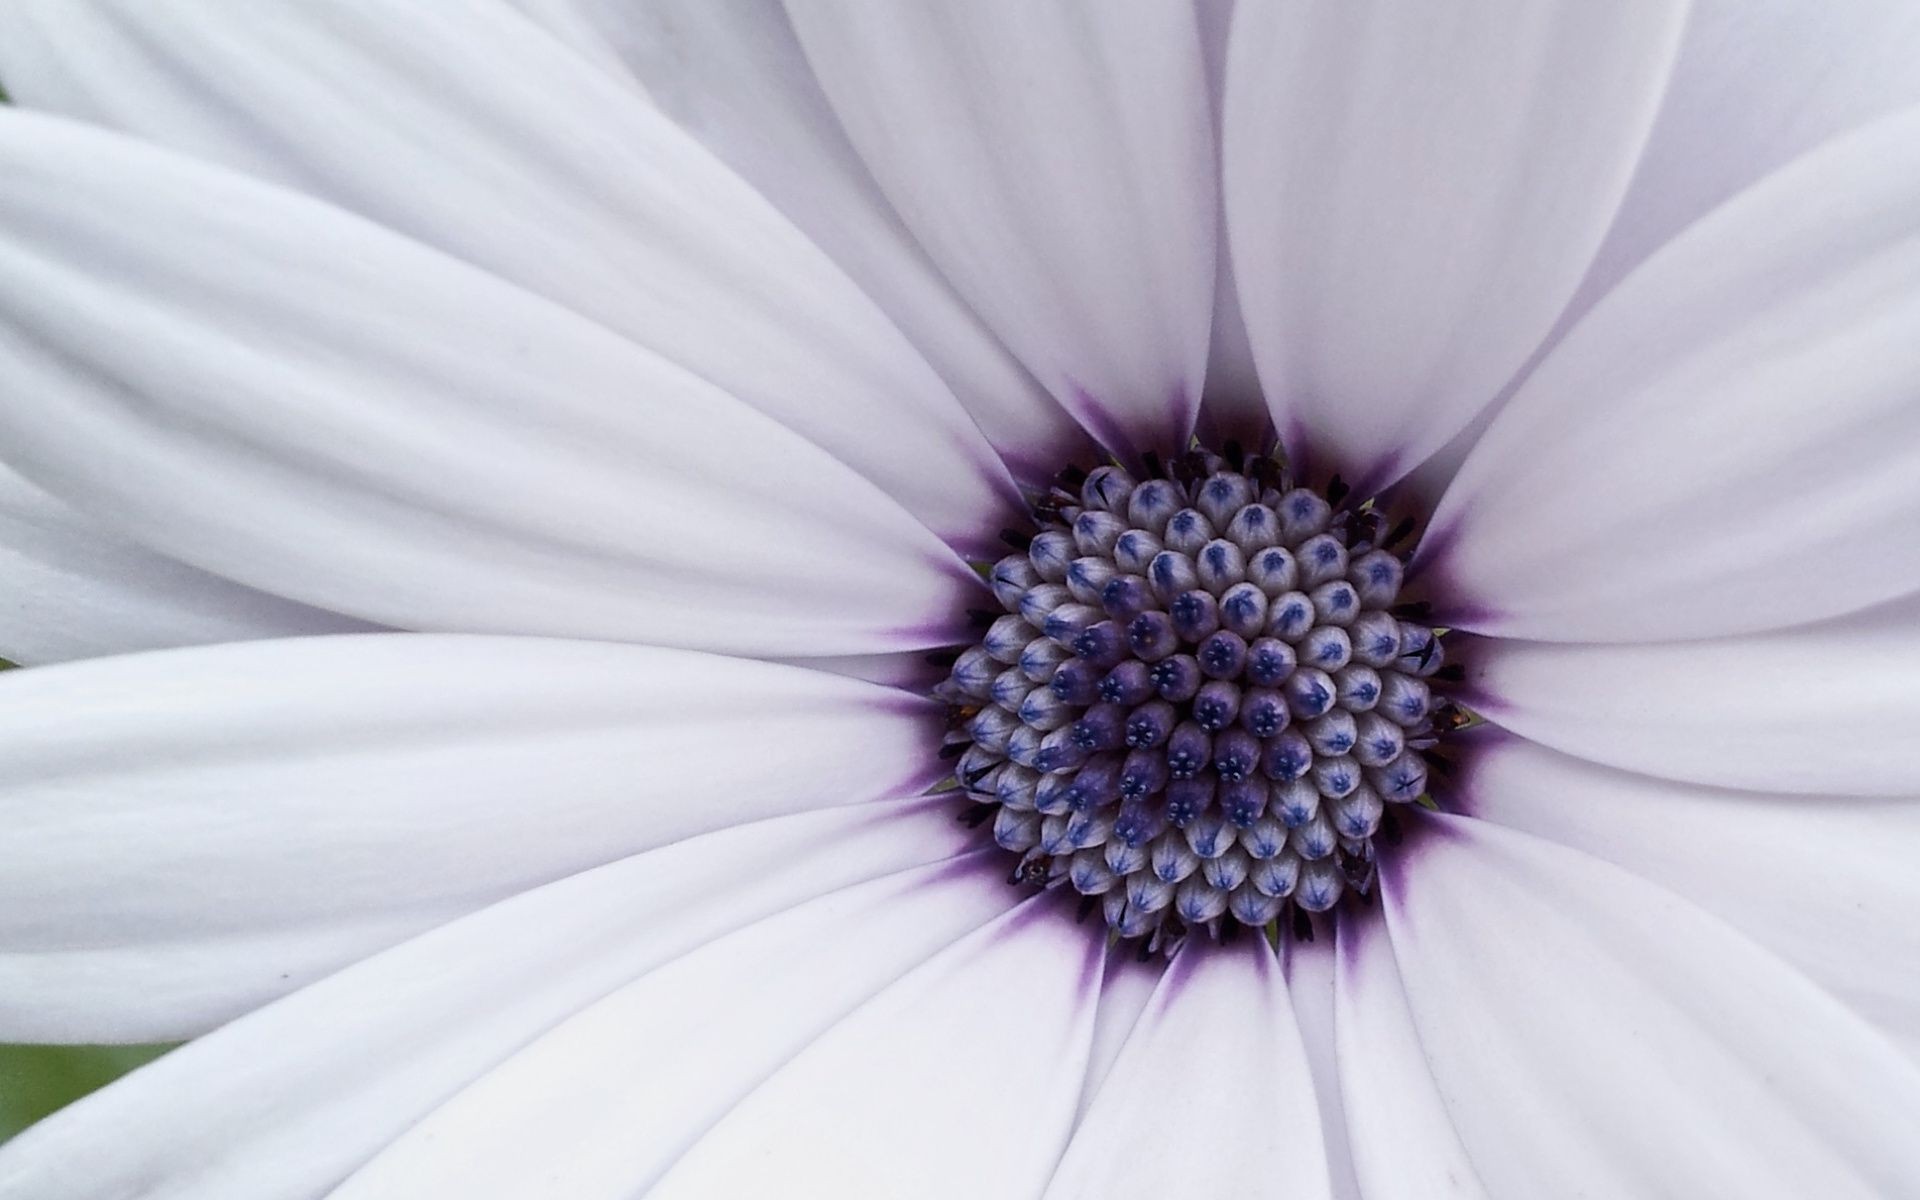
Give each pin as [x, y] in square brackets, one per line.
[1203, 696]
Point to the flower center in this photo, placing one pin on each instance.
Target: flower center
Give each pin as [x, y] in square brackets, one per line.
[1202, 699]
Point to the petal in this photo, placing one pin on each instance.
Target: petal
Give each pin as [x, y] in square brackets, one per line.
[192, 832]
[957, 1081]
[1210, 1096]
[285, 1102]
[1823, 710]
[565, 183]
[75, 589]
[1412, 197]
[1056, 161]
[908, 672]
[1825, 882]
[603, 1104]
[1757, 84]
[1658, 1052]
[1399, 1129]
[1720, 446]
[1233, 405]
[407, 439]
[733, 75]
[1125, 988]
[1310, 986]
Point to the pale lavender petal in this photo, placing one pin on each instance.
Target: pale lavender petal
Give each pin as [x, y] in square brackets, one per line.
[1725, 443]
[71, 587]
[1056, 161]
[287, 1101]
[1582, 1024]
[1826, 882]
[562, 181]
[602, 1105]
[408, 439]
[957, 1082]
[191, 833]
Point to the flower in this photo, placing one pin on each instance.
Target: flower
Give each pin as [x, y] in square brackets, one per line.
[662, 368]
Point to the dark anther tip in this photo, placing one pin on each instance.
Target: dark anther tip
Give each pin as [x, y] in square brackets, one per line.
[1016, 539]
[953, 750]
[1337, 490]
[1031, 873]
[1302, 925]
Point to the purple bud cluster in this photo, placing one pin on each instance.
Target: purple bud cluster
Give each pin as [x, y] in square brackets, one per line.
[1199, 704]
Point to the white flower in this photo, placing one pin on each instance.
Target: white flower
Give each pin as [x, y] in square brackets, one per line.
[631, 353]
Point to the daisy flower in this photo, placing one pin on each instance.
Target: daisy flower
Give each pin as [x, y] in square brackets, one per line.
[1008, 599]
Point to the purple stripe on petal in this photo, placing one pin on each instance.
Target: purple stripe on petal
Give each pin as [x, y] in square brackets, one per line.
[1105, 428]
[1474, 745]
[1179, 974]
[1112, 434]
[1472, 690]
[1214, 428]
[1451, 608]
[1421, 832]
[1036, 463]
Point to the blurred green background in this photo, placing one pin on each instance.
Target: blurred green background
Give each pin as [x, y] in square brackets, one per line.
[35, 1080]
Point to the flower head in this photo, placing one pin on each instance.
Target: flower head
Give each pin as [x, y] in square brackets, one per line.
[1456, 617]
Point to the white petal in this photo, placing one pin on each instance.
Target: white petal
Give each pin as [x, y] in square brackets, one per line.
[603, 1104]
[911, 672]
[71, 588]
[1722, 444]
[733, 75]
[1309, 967]
[565, 183]
[958, 1081]
[1825, 710]
[1210, 1096]
[1825, 882]
[1125, 988]
[287, 1101]
[1584, 1025]
[192, 832]
[1757, 83]
[407, 439]
[1399, 1131]
[1413, 195]
[1232, 403]
[1056, 161]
